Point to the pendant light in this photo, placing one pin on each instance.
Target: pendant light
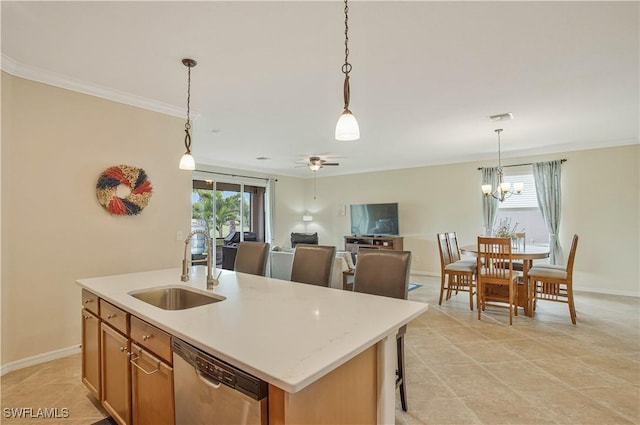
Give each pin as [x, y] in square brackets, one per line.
[504, 189]
[187, 162]
[347, 127]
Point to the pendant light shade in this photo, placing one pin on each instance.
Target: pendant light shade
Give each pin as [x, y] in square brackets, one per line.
[187, 162]
[347, 128]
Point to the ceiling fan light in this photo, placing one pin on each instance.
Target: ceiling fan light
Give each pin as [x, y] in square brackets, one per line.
[347, 129]
[315, 166]
[187, 162]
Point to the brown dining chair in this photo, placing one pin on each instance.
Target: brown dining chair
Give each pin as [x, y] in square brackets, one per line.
[495, 268]
[454, 275]
[313, 264]
[386, 273]
[519, 244]
[554, 282]
[251, 258]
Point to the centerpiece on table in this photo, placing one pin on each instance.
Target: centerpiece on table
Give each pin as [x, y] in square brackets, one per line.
[505, 230]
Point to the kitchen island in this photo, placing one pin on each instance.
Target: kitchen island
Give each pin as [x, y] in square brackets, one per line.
[291, 335]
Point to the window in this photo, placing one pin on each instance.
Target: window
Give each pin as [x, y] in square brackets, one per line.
[223, 208]
[523, 210]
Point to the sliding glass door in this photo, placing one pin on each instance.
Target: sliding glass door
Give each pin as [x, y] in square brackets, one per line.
[230, 212]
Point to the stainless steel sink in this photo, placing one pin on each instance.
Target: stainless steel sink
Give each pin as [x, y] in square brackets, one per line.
[175, 298]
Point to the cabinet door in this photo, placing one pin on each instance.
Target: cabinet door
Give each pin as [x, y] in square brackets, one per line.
[151, 389]
[116, 375]
[91, 352]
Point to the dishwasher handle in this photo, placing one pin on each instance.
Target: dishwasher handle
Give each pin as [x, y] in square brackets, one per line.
[207, 380]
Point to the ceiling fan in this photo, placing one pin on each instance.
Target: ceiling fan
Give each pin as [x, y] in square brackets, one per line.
[315, 163]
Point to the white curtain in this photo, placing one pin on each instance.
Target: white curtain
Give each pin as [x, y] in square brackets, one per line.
[547, 177]
[489, 203]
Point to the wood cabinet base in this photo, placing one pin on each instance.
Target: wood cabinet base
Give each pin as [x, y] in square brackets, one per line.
[348, 395]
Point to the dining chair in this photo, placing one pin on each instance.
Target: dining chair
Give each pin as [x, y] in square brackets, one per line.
[313, 264]
[251, 258]
[386, 273]
[495, 268]
[454, 275]
[519, 244]
[554, 282]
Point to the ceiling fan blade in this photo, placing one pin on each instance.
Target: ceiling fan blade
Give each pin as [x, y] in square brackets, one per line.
[330, 163]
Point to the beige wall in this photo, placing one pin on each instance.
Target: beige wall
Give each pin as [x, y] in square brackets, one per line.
[601, 190]
[55, 144]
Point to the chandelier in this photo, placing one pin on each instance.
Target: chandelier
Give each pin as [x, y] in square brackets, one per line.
[347, 127]
[187, 162]
[504, 190]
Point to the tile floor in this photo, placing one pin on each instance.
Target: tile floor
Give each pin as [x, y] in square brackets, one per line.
[459, 370]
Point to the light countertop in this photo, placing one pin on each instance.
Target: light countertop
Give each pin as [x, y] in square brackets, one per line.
[288, 334]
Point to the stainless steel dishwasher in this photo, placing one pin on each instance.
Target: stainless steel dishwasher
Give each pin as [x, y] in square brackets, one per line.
[209, 391]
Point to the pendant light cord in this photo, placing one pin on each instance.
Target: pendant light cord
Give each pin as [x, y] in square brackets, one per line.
[499, 154]
[346, 68]
[187, 125]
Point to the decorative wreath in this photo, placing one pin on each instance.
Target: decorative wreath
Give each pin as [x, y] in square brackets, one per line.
[135, 179]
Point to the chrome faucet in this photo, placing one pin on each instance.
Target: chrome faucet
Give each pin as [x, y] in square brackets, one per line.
[211, 282]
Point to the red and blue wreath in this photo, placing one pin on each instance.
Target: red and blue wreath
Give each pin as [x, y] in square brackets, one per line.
[135, 179]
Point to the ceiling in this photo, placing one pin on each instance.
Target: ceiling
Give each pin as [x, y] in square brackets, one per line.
[426, 75]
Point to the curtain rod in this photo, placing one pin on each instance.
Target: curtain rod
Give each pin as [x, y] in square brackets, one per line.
[519, 165]
[232, 175]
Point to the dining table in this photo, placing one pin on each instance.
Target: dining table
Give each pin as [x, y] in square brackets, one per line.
[526, 254]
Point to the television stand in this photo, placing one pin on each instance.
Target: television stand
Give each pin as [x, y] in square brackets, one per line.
[354, 243]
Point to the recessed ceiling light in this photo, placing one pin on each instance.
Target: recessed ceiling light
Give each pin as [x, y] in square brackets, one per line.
[502, 117]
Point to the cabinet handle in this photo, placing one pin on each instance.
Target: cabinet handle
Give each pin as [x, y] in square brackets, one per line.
[133, 362]
[111, 316]
[88, 301]
[86, 317]
[122, 349]
[146, 337]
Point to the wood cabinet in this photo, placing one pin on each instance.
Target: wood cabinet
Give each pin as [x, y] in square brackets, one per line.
[151, 389]
[346, 395]
[116, 374]
[91, 352]
[354, 243]
[126, 364]
[151, 375]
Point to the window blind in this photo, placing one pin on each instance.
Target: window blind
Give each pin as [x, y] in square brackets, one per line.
[528, 198]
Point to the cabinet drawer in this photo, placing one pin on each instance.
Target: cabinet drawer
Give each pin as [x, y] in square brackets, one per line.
[116, 318]
[151, 338]
[90, 301]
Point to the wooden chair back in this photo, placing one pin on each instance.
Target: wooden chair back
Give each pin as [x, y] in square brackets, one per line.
[454, 249]
[521, 241]
[443, 247]
[572, 256]
[494, 262]
[313, 264]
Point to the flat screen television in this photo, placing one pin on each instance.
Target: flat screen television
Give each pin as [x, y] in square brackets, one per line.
[374, 219]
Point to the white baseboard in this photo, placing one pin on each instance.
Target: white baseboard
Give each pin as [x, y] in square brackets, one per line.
[425, 273]
[607, 292]
[40, 358]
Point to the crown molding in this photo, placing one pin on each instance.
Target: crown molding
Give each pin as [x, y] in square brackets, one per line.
[29, 72]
